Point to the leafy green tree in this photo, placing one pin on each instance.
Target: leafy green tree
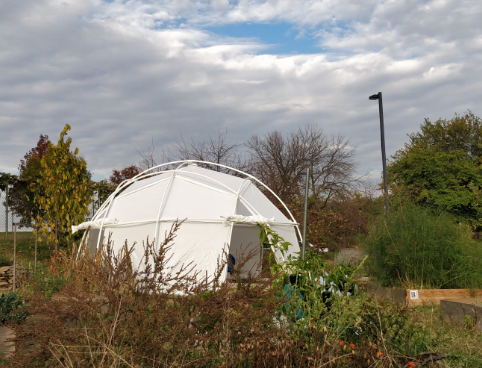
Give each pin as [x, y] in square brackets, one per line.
[463, 132]
[6, 180]
[63, 190]
[441, 168]
[102, 189]
[21, 196]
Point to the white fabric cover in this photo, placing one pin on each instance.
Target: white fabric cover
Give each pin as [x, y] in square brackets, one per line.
[246, 248]
[220, 213]
[197, 244]
[189, 200]
[248, 219]
[93, 224]
[262, 205]
[287, 233]
[131, 235]
[140, 205]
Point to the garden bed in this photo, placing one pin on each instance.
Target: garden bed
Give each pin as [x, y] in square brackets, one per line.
[412, 298]
[463, 312]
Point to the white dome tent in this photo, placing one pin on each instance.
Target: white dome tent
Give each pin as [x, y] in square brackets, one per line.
[220, 212]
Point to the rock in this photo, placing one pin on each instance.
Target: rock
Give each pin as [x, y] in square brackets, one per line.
[7, 348]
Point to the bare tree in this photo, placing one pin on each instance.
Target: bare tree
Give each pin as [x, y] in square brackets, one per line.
[148, 157]
[277, 160]
[217, 150]
[281, 162]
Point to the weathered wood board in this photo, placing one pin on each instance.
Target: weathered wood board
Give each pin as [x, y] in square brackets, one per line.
[413, 298]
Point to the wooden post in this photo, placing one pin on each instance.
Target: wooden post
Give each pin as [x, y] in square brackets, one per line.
[36, 241]
[56, 235]
[305, 213]
[14, 257]
[6, 212]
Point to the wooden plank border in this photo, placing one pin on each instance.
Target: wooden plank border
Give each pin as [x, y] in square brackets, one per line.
[412, 298]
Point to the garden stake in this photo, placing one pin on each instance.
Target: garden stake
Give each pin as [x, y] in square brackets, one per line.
[307, 186]
[6, 212]
[14, 256]
[36, 241]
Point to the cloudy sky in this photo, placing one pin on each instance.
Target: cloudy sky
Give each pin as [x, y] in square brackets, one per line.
[123, 73]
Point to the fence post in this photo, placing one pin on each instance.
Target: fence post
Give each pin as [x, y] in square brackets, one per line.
[305, 212]
[6, 211]
[36, 241]
[14, 258]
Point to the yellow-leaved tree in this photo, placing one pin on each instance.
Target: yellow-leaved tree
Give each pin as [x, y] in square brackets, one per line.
[63, 190]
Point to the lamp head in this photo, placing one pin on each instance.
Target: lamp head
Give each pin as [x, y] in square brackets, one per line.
[374, 97]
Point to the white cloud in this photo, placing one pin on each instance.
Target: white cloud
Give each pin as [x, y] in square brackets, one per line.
[123, 72]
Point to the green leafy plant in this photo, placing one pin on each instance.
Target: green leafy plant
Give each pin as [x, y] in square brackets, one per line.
[440, 168]
[21, 196]
[468, 323]
[307, 284]
[63, 190]
[416, 248]
[11, 308]
[44, 282]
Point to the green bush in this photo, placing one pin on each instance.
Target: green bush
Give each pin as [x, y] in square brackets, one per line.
[44, 282]
[416, 248]
[11, 308]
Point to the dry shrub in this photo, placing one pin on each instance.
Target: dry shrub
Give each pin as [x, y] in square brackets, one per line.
[108, 314]
[339, 222]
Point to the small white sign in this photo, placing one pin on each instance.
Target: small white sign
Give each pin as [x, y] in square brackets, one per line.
[413, 294]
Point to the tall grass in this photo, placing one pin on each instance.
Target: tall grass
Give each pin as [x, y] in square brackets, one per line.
[416, 248]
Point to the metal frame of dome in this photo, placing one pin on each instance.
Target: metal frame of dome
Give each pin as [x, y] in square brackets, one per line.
[153, 171]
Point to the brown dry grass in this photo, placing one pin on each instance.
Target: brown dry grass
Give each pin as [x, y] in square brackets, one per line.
[109, 315]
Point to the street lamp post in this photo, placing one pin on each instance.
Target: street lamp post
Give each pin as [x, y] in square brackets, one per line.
[378, 97]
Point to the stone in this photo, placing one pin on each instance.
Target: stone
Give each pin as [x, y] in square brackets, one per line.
[380, 292]
[457, 311]
[7, 348]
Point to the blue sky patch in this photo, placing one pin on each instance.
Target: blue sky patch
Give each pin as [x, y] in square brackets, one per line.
[281, 37]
